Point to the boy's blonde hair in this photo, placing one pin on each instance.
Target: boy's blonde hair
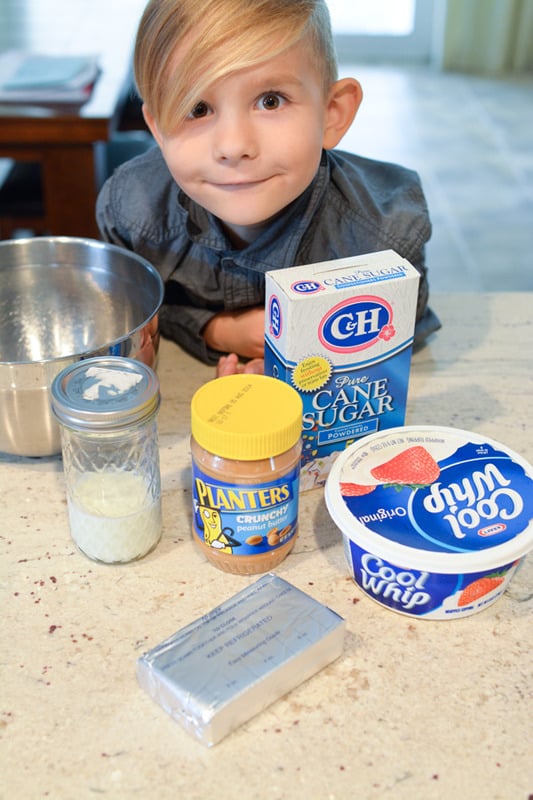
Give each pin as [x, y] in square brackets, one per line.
[183, 46]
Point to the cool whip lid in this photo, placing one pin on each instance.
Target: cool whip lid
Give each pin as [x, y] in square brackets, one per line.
[434, 498]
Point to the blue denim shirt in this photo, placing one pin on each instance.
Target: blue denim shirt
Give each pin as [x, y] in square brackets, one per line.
[353, 206]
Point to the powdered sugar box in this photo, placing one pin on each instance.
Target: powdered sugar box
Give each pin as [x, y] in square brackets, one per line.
[341, 332]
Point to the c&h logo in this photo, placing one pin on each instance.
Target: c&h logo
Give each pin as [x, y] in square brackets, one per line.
[356, 323]
[306, 287]
[274, 317]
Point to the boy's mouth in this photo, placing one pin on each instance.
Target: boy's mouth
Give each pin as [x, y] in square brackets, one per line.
[239, 185]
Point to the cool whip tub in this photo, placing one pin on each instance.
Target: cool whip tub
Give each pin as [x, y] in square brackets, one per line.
[435, 520]
[341, 332]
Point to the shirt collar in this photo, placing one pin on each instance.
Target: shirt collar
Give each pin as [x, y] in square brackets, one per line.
[278, 244]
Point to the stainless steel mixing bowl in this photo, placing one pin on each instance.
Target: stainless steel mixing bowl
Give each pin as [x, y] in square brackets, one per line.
[61, 300]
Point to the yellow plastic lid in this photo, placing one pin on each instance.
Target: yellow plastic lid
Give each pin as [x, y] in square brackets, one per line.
[246, 417]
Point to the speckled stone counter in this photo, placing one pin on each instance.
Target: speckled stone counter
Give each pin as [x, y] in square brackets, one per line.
[412, 710]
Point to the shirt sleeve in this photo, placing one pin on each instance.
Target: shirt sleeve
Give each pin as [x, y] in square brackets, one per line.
[382, 205]
[184, 325]
[105, 217]
[181, 322]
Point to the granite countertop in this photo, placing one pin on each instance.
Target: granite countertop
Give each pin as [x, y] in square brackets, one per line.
[413, 709]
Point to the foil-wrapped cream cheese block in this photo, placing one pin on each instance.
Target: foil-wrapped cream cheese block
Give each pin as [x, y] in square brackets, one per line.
[231, 663]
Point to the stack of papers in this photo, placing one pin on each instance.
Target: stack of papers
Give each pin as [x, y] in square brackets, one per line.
[33, 78]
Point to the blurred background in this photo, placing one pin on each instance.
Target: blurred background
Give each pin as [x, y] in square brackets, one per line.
[448, 91]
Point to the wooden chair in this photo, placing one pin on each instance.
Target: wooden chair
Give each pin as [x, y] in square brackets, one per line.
[21, 200]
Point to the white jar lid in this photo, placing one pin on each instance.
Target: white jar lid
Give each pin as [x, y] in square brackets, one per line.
[105, 393]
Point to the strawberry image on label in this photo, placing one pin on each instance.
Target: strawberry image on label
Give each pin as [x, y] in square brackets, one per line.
[412, 467]
[355, 489]
[478, 589]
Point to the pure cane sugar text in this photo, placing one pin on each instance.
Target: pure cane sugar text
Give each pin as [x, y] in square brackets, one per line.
[341, 333]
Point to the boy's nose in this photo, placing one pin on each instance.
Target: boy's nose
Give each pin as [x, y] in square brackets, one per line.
[234, 138]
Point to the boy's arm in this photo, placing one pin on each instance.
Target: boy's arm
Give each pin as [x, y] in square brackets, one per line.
[240, 332]
[178, 321]
[184, 325]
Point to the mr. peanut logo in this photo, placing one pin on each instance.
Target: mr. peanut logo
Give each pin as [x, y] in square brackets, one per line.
[356, 323]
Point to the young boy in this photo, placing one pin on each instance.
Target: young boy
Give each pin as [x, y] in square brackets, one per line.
[244, 102]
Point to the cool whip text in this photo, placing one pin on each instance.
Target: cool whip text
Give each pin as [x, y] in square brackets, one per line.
[400, 586]
[482, 496]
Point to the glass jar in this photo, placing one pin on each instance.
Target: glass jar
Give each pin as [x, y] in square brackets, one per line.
[107, 411]
[246, 447]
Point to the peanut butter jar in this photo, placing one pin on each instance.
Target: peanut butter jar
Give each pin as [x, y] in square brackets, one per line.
[246, 448]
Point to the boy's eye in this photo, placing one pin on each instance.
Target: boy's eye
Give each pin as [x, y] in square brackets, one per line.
[270, 101]
[200, 110]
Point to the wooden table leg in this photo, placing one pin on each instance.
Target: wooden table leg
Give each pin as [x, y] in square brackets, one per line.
[70, 190]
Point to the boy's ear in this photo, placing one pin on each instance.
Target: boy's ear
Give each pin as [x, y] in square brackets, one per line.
[152, 124]
[343, 102]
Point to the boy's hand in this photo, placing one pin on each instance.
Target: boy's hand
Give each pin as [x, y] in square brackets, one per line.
[230, 365]
[241, 332]
[149, 343]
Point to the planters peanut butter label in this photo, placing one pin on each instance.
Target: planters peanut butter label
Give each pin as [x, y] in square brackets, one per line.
[341, 332]
[245, 519]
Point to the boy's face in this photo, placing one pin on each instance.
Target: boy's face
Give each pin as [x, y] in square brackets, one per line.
[253, 143]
